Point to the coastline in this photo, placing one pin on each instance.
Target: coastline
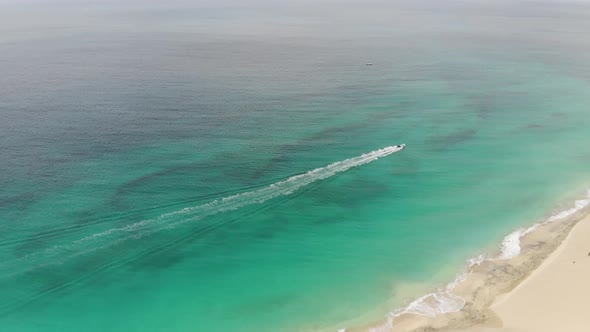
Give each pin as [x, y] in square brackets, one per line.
[497, 292]
[559, 283]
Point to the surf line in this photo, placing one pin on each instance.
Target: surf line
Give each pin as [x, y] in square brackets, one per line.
[169, 220]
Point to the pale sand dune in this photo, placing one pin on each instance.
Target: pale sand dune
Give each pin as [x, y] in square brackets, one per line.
[556, 297]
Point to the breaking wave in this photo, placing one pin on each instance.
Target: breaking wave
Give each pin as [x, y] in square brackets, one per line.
[511, 243]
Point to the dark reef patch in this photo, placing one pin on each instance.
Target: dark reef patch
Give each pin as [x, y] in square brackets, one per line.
[350, 194]
[482, 105]
[21, 201]
[450, 140]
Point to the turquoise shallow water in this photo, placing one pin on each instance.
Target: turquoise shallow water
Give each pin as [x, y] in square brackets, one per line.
[145, 149]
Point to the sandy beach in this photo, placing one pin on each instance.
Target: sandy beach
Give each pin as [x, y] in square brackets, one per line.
[539, 282]
[556, 295]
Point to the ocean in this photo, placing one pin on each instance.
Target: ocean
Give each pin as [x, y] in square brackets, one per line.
[231, 165]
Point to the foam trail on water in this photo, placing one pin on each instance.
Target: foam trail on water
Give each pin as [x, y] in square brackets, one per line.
[168, 220]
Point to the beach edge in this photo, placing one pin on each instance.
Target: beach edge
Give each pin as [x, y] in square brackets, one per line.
[473, 298]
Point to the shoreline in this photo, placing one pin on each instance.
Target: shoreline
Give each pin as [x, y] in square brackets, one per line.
[560, 282]
[477, 299]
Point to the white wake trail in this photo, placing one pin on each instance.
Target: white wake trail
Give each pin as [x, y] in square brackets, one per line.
[169, 220]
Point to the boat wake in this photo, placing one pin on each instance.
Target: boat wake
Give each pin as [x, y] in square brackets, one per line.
[170, 220]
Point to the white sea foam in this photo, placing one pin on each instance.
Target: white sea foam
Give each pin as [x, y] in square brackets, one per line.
[476, 260]
[579, 205]
[135, 230]
[511, 243]
[435, 304]
[440, 302]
